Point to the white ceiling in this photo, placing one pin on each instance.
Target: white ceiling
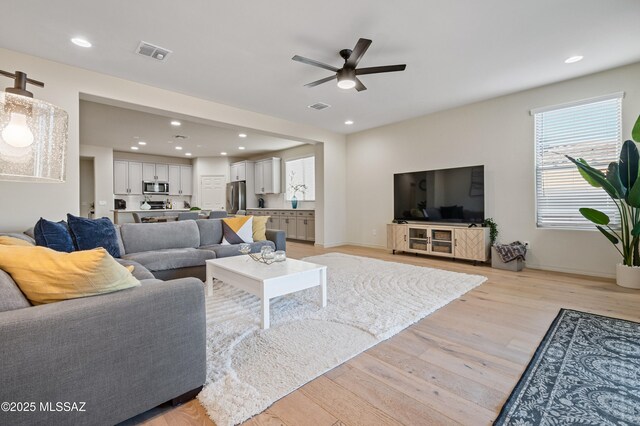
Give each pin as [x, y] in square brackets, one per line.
[122, 128]
[239, 52]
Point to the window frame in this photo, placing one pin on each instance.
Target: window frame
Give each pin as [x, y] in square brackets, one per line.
[586, 225]
[286, 177]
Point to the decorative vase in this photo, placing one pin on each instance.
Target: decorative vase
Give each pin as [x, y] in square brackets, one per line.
[294, 202]
[628, 276]
[145, 206]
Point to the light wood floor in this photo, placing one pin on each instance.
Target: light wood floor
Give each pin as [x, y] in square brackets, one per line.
[456, 366]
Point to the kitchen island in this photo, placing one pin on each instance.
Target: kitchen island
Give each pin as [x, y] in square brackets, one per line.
[166, 214]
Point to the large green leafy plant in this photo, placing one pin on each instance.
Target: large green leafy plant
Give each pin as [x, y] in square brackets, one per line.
[621, 181]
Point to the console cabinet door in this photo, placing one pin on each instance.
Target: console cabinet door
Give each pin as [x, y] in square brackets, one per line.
[397, 237]
[120, 177]
[470, 244]
[273, 222]
[311, 229]
[301, 228]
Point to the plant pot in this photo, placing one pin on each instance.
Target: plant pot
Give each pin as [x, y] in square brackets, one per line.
[628, 276]
[294, 202]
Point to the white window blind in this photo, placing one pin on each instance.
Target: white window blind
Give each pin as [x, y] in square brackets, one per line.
[591, 130]
[303, 171]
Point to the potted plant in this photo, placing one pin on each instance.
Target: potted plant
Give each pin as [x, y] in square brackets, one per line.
[493, 229]
[295, 187]
[621, 181]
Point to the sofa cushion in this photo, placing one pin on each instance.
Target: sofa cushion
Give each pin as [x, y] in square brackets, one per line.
[10, 295]
[53, 235]
[46, 276]
[210, 231]
[8, 240]
[163, 260]
[88, 234]
[237, 230]
[120, 243]
[144, 237]
[225, 250]
[139, 271]
[260, 227]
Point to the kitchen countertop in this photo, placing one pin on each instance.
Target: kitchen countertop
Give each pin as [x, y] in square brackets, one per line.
[288, 210]
[154, 210]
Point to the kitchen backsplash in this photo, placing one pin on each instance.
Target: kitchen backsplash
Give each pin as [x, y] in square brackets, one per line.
[277, 201]
[134, 201]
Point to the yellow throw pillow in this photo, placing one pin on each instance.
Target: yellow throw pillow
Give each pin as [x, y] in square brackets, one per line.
[6, 240]
[260, 228]
[47, 276]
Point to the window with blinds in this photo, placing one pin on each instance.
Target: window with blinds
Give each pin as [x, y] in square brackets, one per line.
[301, 171]
[591, 130]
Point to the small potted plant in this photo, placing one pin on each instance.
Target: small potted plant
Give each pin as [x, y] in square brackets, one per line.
[621, 181]
[295, 188]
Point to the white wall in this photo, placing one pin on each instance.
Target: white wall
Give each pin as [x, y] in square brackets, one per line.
[499, 134]
[64, 84]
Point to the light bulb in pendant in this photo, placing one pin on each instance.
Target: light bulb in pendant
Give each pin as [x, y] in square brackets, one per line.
[17, 132]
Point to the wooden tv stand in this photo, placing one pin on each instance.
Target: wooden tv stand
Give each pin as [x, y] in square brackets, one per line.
[459, 242]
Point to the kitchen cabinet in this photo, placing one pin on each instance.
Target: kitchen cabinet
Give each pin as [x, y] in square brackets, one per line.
[127, 177]
[298, 224]
[238, 171]
[267, 176]
[155, 172]
[180, 180]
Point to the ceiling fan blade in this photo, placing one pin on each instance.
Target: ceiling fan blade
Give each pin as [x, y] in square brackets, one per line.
[317, 82]
[359, 86]
[361, 47]
[314, 63]
[376, 70]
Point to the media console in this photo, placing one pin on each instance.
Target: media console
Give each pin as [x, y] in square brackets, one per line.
[457, 242]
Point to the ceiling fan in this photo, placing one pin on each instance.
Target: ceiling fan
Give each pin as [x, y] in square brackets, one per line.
[348, 75]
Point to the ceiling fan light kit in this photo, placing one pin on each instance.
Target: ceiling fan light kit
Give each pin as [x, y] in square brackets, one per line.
[347, 75]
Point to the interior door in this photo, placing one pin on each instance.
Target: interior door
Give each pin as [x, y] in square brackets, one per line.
[212, 192]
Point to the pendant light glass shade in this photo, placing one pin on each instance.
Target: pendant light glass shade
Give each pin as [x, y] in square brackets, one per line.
[33, 140]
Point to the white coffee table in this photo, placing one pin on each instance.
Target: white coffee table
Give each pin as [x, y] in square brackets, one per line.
[267, 281]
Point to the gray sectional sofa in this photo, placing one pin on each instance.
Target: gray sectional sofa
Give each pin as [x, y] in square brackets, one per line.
[179, 249]
[119, 354]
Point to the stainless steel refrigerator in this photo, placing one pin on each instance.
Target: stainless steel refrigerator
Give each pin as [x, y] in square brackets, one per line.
[236, 197]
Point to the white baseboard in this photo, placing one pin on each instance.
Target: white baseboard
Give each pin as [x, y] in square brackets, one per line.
[571, 271]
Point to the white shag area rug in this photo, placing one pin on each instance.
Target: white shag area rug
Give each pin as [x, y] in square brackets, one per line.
[369, 300]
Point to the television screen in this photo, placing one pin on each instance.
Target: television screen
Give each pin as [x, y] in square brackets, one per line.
[446, 196]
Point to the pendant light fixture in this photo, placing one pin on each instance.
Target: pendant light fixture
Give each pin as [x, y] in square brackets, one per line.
[33, 134]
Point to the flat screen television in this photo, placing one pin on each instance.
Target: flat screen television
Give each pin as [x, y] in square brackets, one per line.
[443, 196]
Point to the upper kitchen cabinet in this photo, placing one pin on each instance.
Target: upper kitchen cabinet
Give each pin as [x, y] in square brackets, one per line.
[127, 177]
[267, 176]
[238, 171]
[180, 180]
[155, 172]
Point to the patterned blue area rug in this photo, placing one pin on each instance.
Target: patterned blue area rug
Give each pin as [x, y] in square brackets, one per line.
[586, 371]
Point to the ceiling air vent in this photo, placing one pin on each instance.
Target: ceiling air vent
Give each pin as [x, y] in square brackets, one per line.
[152, 51]
[319, 106]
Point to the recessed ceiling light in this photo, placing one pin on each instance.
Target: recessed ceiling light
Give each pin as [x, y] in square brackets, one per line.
[188, 154]
[241, 148]
[80, 42]
[223, 153]
[142, 143]
[179, 148]
[135, 148]
[199, 146]
[573, 59]
[175, 123]
[242, 135]
[348, 122]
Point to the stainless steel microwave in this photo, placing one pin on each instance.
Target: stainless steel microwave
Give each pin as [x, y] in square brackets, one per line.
[161, 188]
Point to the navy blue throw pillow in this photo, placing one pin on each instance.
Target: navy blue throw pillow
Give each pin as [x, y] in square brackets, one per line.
[93, 233]
[53, 235]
